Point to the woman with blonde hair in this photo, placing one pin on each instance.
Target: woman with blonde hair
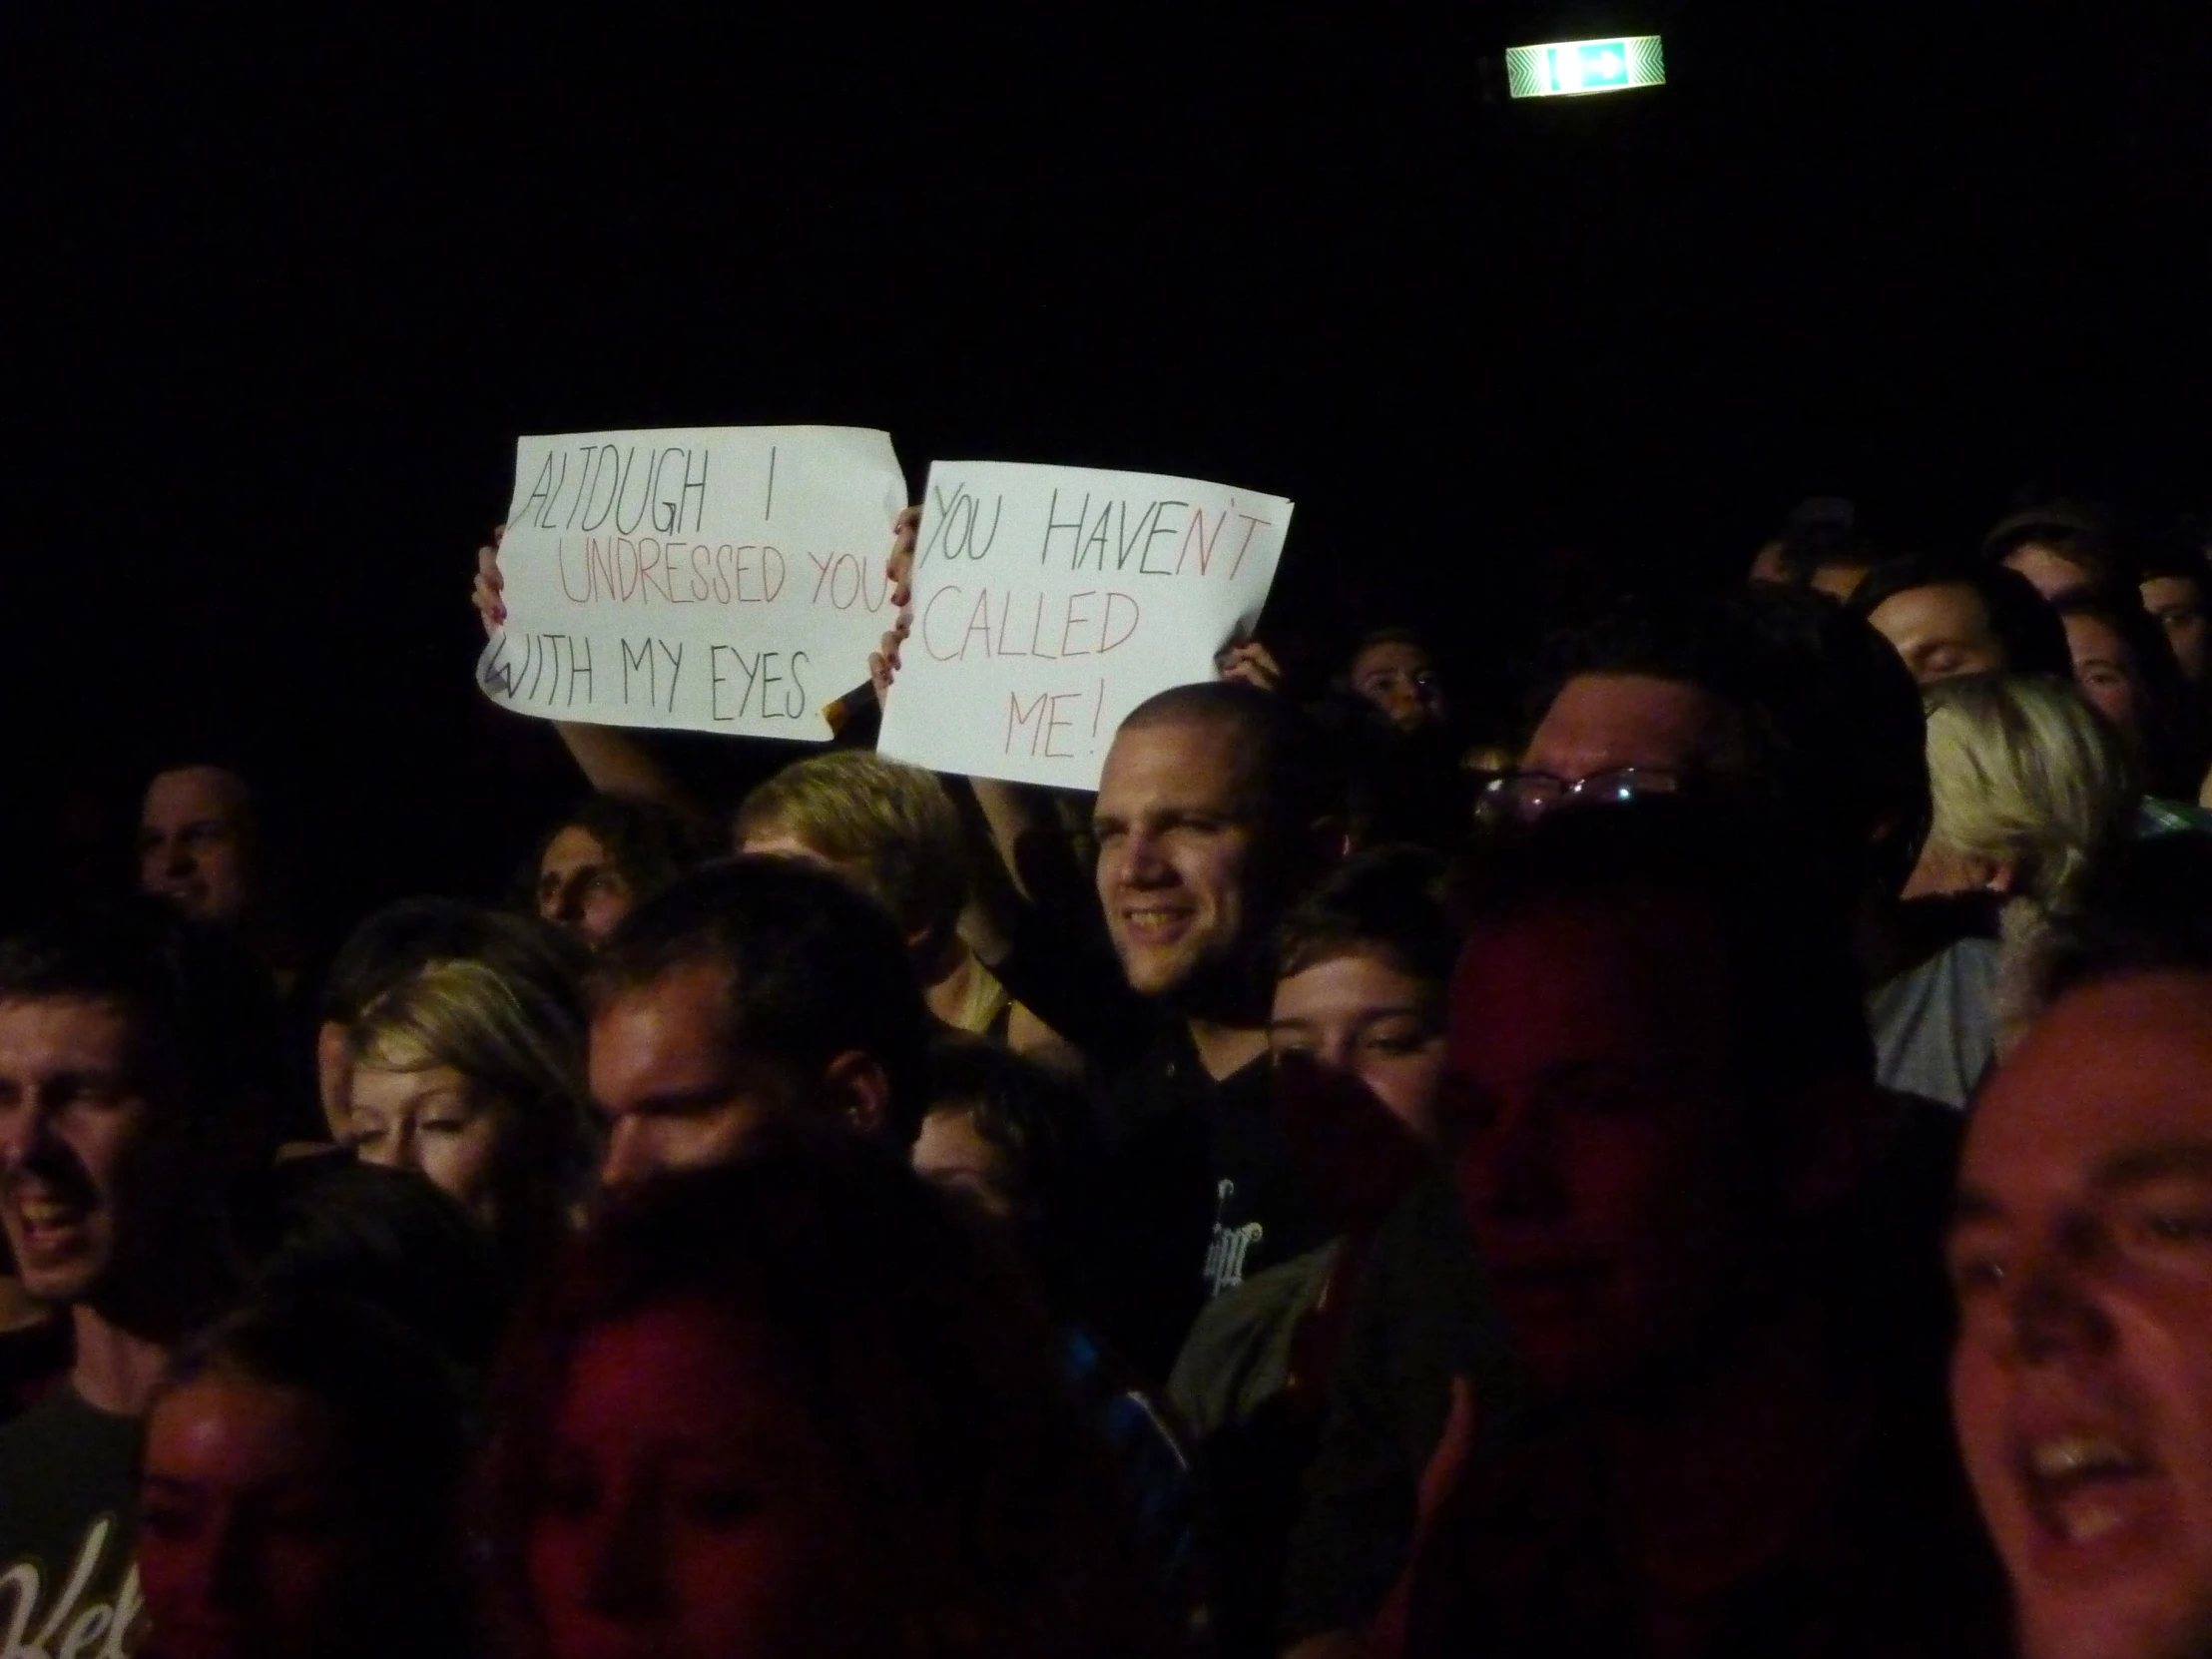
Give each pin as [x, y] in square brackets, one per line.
[2032, 787]
[475, 1079]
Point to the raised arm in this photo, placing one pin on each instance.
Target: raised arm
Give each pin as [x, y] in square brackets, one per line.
[612, 760]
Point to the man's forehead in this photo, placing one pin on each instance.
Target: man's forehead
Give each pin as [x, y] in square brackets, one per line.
[1192, 760]
[79, 1030]
[1601, 722]
[201, 791]
[2125, 1061]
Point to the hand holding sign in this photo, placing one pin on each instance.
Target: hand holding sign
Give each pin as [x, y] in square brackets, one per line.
[717, 579]
[1050, 601]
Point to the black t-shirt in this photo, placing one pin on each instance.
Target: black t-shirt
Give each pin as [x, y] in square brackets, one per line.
[68, 1529]
[1202, 1191]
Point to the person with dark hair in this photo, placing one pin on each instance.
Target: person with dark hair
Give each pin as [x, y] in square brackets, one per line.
[2081, 1258]
[1949, 618]
[332, 1228]
[1819, 546]
[603, 859]
[1802, 715]
[301, 1492]
[757, 990]
[1713, 1242]
[400, 941]
[135, 1083]
[2176, 587]
[802, 1405]
[201, 846]
[1391, 671]
[2063, 547]
[2125, 667]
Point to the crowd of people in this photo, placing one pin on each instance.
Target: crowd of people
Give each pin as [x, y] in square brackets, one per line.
[1718, 1164]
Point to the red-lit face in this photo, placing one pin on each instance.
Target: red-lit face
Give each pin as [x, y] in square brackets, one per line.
[196, 844]
[2082, 1379]
[691, 1507]
[246, 1542]
[1592, 1100]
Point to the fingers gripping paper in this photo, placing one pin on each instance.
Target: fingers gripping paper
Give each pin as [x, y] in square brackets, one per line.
[1050, 601]
[714, 579]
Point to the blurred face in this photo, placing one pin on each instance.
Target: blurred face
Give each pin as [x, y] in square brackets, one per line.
[431, 1121]
[2178, 604]
[1607, 722]
[952, 1153]
[2082, 1380]
[87, 1157]
[580, 889]
[676, 1092]
[2053, 576]
[1365, 1017]
[196, 844]
[1398, 680]
[1591, 1099]
[1178, 828]
[691, 1507]
[244, 1543]
[2105, 670]
[1942, 632]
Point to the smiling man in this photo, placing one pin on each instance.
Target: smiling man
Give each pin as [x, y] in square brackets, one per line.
[2082, 1260]
[1216, 808]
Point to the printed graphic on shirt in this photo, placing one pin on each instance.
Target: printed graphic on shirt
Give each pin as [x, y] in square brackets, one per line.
[1227, 1248]
[64, 1624]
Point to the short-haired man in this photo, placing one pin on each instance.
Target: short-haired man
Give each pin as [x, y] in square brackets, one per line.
[200, 846]
[125, 1112]
[749, 993]
[1215, 805]
[1711, 1240]
[2081, 1257]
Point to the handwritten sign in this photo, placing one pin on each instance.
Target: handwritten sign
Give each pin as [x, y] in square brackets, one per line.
[1050, 601]
[713, 579]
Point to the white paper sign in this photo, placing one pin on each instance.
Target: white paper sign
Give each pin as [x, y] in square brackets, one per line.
[1050, 601]
[714, 579]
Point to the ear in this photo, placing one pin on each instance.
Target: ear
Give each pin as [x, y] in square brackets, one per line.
[856, 1088]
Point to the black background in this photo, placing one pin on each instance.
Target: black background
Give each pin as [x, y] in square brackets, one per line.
[289, 286]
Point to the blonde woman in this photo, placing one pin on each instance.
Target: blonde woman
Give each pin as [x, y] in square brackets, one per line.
[2030, 785]
[475, 1079]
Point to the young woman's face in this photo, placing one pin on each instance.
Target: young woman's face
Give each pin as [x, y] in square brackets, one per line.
[1362, 1015]
[434, 1122]
[246, 1544]
[691, 1506]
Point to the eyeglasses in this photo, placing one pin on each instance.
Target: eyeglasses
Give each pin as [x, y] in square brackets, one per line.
[1524, 797]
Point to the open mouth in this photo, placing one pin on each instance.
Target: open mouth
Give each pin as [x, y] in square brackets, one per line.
[1154, 924]
[2088, 1488]
[48, 1230]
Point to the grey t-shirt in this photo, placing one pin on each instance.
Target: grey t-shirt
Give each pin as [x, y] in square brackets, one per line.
[1935, 1025]
[68, 1529]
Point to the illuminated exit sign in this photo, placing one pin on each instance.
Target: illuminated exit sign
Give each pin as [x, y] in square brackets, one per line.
[1574, 66]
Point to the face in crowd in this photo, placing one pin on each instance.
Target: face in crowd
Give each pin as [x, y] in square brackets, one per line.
[1399, 681]
[2081, 1256]
[1362, 1015]
[196, 844]
[1182, 840]
[1594, 1103]
[1941, 631]
[580, 887]
[245, 1537]
[436, 1122]
[2178, 604]
[704, 1517]
[2106, 671]
[92, 1153]
[1609, 723]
